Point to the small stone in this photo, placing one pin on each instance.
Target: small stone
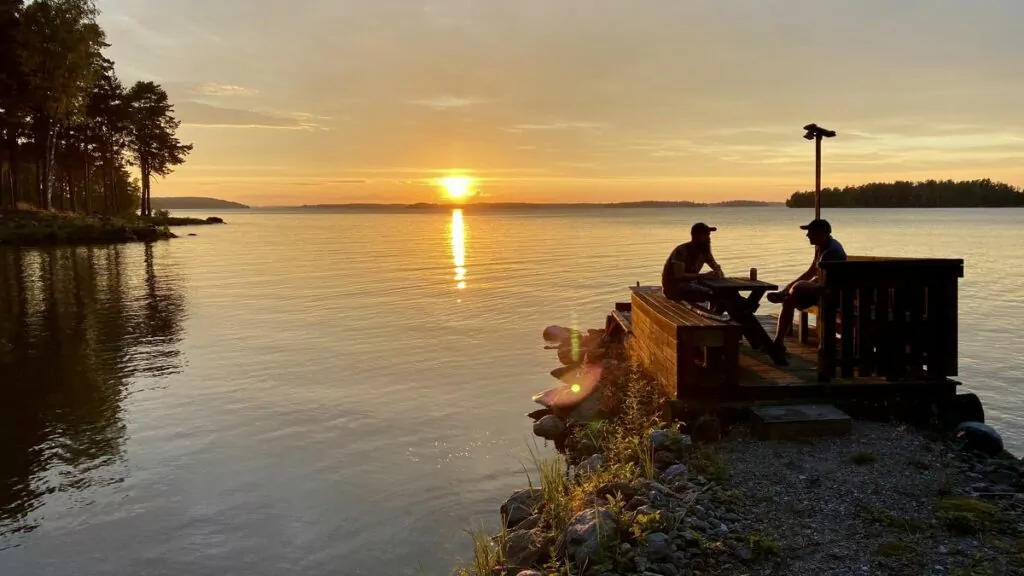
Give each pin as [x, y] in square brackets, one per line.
[625, 548]
[658, 545]
[664, 439]
[664, 459]
[526, 548]
[549, 427]
[743, 553]
[943, 550]
[520, 506]
[590, 465]
[674, 472]
[530, 523]
[974, 476]
[621, 489]
[667, 569]
[691, 538]
[730, 517]
[530, 573]
[588, 531]
[1003, 477]
[679, 560]
[701, 526]
[980, 437]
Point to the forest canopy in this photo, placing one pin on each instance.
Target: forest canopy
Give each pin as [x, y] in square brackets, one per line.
[69, 128]
[926, 194]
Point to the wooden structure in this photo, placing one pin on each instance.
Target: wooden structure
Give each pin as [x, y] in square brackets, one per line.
[894, 318]
[887, 329]
[680, 346]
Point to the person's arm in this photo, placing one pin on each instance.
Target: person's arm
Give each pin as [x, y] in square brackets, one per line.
[805, 277]
[679, 262]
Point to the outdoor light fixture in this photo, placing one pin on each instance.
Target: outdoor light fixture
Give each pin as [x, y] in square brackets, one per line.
[816, 133]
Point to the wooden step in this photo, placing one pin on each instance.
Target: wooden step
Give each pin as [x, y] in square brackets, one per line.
[783, 422]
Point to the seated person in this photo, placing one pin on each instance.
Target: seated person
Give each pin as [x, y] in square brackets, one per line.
[803, 292]
[683, 267]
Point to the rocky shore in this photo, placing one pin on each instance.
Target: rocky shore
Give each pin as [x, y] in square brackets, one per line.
[38, 228]
[632, 493]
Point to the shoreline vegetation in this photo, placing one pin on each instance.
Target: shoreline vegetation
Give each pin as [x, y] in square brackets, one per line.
[28, 227]
[983, 193]
[629, 492]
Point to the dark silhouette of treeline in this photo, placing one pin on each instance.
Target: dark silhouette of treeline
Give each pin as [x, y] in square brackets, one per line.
[77, 325]
[927, 194]
[69, 129]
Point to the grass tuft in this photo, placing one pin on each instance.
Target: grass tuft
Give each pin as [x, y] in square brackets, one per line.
[763, 546]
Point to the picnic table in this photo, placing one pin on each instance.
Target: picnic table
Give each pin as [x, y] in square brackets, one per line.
[728, 298]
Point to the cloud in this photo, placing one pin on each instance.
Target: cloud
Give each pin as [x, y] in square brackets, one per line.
[193, 113]
[219, 89]
[557, 126]
[447, 102]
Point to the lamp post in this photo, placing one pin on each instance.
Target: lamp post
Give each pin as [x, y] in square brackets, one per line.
[816, 133]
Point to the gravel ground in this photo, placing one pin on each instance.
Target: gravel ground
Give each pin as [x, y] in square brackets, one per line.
[865, 504]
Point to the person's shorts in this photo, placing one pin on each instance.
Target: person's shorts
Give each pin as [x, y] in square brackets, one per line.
[687, 292]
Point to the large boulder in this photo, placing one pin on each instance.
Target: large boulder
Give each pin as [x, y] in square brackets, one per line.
[215, 220]
[979, 438]
[520, 506]
[526, 549]
[588, 532]
[549, 427]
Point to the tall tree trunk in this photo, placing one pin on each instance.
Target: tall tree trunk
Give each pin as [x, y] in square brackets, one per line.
[85, 188]
[73, 202]
[42, 132]
[14, 165]
[145, 210]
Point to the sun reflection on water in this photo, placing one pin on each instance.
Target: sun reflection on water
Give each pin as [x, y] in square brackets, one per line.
[457, 232]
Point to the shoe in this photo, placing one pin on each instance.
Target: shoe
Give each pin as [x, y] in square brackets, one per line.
[775, 297]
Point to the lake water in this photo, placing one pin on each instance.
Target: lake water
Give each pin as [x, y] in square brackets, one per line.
[298, 393]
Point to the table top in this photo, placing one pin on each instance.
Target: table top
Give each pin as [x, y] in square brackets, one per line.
[736, 284]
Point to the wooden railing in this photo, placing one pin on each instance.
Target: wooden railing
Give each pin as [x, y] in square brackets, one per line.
[896, 317]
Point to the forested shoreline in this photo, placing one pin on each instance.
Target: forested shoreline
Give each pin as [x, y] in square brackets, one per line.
[926, 194]
[71, 132]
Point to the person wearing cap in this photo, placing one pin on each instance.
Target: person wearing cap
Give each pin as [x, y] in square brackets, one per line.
[803, 292]
[683, 267]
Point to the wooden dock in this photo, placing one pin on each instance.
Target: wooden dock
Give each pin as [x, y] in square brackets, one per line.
[887, 333]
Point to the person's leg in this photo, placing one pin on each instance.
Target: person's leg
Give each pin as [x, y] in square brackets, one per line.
[785, 320]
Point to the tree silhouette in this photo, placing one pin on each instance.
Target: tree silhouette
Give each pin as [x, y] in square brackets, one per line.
[66, 121]
[926, 194]
[152, 140]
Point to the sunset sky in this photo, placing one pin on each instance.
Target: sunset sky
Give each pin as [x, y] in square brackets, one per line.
[320, 101]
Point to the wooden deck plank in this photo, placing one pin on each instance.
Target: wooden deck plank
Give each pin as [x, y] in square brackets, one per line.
[758, 370]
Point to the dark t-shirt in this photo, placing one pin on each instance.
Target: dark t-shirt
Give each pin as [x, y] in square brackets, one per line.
[829, 251]
[693, 259]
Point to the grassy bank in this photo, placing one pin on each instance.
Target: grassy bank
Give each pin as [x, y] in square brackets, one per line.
[37, 228]
[636, 494]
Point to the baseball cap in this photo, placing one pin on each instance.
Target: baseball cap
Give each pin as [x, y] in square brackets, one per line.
[701, 227]
[818, 225]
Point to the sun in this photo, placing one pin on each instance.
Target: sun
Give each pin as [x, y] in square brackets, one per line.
[457, 188]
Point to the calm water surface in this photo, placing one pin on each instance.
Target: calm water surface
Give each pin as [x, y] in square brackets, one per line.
[344, 393]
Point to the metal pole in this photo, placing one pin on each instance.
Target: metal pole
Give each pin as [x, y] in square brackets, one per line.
[817, 176]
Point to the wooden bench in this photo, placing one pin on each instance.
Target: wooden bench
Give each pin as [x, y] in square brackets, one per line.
[685, 350]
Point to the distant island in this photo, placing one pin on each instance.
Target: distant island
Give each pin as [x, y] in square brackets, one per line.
[500, 206]
[927, 194]
[193, 203]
